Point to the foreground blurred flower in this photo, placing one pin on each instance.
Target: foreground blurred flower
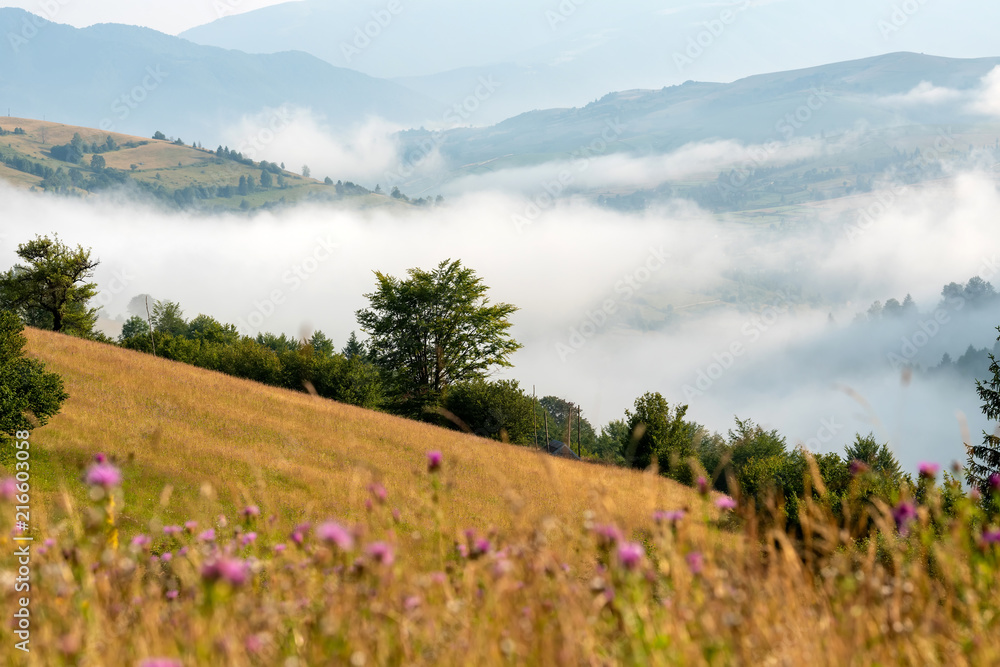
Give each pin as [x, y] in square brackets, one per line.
[703, 486]
[231, 570]
[381, 552]
[991, 536]
[8, 489]
[630, 555]
[725, 503]
[928, 470]
[208, 535]
[378, 492]
[104, 475]
[250, 511]
[333, 532]
[994, 482]
[674, 516]
[160, 662]
[904, 513]
[858, 467]
[607, 535]
[434, 461]
[696, 562]
[141, 542]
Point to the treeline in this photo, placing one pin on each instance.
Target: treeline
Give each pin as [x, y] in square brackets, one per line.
[312, 365]
[16, 131]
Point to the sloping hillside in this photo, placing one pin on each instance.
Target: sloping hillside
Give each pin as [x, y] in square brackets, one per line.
[176, 173]
[297, 456]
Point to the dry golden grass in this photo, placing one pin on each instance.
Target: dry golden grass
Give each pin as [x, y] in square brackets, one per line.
[300, 456]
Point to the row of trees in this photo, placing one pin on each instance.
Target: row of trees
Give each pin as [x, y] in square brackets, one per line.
[434, 337]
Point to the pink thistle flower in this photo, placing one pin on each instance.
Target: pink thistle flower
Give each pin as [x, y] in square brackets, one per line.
[254, 644]
[378, 492]
[140, 542]
[333, 532]
[675, 516]
[167, 557]
[182, 552]
[412, 602]
[696, 562]
[396, 515]
[100, 458]
[8, 489]
[607, 535]
[231, 570]
[929, 470]
[279, 548]
[104, 475]
[481, 547]
[160, 662]
[191, 526]
[630, 555]
[434, 459]
[172, 530]
[250, 511]
[463, 550]
[991, 537]
[858, 467]
[703, 486]
[725, 503]
[248, 538]
[904, 514]
[207, 535]
[994, 482]
[381, 552]
[172, 595]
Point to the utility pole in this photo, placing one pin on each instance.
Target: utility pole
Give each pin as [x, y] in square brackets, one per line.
[579, 433]
[534, 415]
[569, 426]
[545, 416]
[150, 323]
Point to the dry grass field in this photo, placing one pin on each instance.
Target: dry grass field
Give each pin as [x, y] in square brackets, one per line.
[237, 524]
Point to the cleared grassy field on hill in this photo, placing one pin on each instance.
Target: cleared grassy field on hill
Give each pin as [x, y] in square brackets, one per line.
[302, 457]
[243, 525]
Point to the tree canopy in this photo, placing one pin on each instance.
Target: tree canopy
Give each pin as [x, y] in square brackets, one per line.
[28, 394]
[50, 290]
[435, 329]
[984, 459]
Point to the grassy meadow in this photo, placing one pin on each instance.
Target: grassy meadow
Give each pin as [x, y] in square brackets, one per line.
[238, 524]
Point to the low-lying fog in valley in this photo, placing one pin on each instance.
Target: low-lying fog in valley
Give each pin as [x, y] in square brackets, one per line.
[612, 304]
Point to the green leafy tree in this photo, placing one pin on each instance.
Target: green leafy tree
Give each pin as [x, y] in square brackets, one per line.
[984, 459]
[657, 431]
[29, 395]
[97, 162]
[878, 457]
[50, 290]
[265, 179]
[435, 329]
[159, 135]
[354, 348]
[498, 410]
[168, 318]
[612, 443]
[321, 345]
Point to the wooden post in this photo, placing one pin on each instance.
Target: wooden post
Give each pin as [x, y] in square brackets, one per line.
[569, 426]
[534, 416]
[545, 416]
[149, 322]
[579, 433]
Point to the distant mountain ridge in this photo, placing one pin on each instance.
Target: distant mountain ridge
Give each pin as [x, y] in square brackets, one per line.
[136, 80]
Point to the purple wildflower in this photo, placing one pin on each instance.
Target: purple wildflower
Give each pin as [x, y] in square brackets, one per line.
[207, 535]
[104, 475]
[99, 457]
[378, 492]
[675, 516]
[8, 489]
[141, 541]
[412, 602]
[630, 555]
[248, 538]
[381, 552]
[231, 570]
[191, 526]
[160, 662]
[696, 562]
[172, 530]
[703, 486]
[929, 470]
[331, 531]
[991, 536]
[167, 557]
[481, 547]
[607, 534]
[172, 595]
[434, 461]
[858, 467]
[279, 548]
[251, 511]
[994, 483]
[904, 514]
[725, 503]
